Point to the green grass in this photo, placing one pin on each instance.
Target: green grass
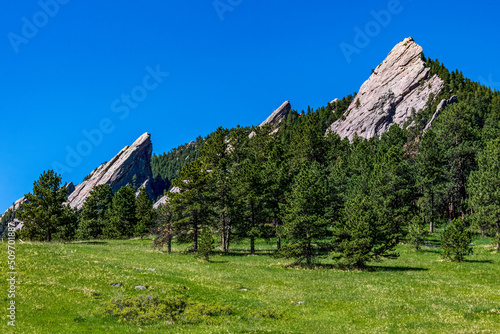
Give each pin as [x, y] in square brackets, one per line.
[61, 288]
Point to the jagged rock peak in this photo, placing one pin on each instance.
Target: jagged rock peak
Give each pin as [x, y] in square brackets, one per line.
[278, 114]
[134, 160]
[399, 85]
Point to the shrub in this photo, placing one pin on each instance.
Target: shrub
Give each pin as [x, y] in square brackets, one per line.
[146, 309]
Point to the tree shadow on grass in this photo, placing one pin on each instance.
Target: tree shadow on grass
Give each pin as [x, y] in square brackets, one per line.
[381, 268]
[91, 243]
[479, 261]
[236, 252]
[214, 261]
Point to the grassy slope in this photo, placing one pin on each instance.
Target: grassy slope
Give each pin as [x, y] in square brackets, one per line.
[61, 288]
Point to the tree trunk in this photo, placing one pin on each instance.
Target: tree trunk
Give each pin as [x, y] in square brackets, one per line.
[252, 245]
[195, 237]
[278, 239]
[226, 245]
[169, 244]
[498, 236]
[431, 220]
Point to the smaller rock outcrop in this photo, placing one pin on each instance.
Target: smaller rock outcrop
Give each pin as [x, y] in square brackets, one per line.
[163, 200]
[278, 115]
[441, 106]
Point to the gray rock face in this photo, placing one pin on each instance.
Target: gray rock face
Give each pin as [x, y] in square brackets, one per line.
[130, 161]
[441, 106]
[164, 198]
[400, 84]
[278, 115]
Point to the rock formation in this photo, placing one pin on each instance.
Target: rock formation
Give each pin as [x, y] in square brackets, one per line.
[440, 107]
[276, 117]
[399, 85]
[131, 164]
[163, 200]
[278, 114]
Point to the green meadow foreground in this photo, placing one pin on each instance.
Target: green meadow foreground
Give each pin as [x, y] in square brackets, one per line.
[63, 288]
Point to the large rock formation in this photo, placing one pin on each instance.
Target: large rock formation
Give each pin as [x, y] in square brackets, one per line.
[131, 164]
[399, 85]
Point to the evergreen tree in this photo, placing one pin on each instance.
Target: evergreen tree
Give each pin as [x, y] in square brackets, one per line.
[122, 219]
[190, 207]
[457, 133]
[43, 210]
[304, 222]
[455, 241]
[430, 166]
[163, 228]
[93, 216]
[392, 185]
[144, 213]
[365, 235]
[417, 233]
[68, 225]
[206, 247]
[276, 179]
[484, 190]
[216, 158]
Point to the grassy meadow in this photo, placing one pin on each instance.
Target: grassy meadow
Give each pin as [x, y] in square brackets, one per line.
[62, 288]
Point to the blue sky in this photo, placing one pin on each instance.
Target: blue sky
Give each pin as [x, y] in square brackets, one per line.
[179, 69]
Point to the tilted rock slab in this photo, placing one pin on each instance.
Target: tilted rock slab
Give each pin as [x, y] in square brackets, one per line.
[399, 85]
[130, 161]
[441, 106]
[276, 117]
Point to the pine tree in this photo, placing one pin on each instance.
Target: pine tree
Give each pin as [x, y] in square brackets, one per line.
[93, 216]
[365, 235]
[430, 166]
[216, 159]
[417, 233]
[455, 241]
[484, 190]
[190, 207]
[43, 210]
[163, 229]
[276, 179]
[122, 219]
[304, 223]
[144, 213]
[206, 246]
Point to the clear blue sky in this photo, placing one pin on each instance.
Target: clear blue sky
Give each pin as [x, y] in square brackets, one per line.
[70, 69]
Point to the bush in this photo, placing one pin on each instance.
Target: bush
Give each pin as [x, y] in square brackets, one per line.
[455, 241]
[146, 309]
